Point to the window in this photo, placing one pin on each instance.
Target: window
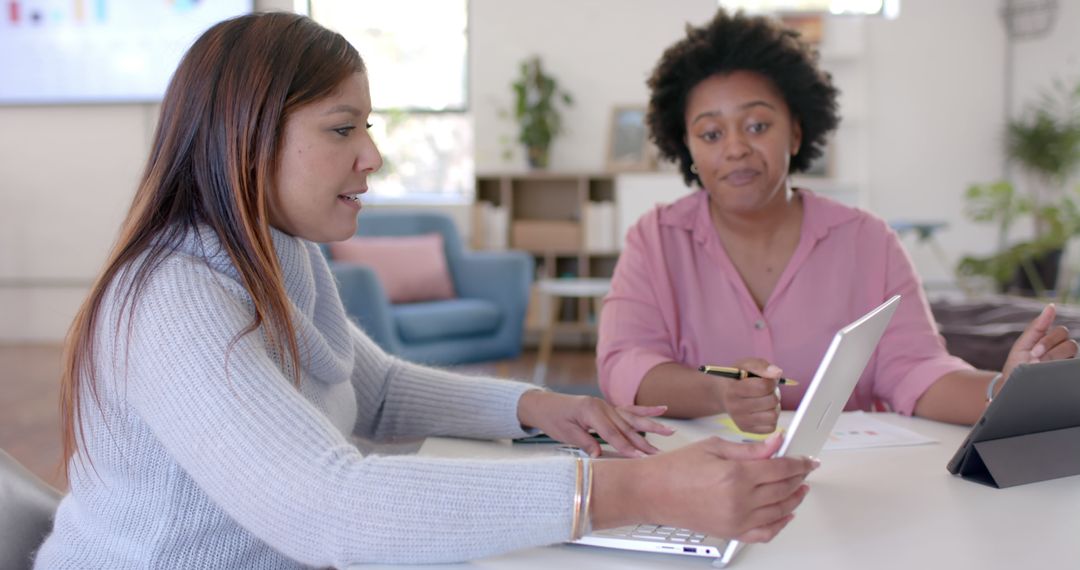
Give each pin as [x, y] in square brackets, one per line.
[886, 8]
[416, 53]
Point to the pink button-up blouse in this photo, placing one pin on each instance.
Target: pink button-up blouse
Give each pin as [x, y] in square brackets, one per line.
[676, 297]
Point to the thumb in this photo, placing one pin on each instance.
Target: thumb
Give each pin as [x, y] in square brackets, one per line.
[1036, 330]
[757, 450]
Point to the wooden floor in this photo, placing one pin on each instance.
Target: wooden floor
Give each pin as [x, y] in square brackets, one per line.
[30, 389]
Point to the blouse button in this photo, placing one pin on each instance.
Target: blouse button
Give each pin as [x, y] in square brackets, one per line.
[759, 325]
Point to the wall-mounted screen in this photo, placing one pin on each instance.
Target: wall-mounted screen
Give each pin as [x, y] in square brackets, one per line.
[99, 51]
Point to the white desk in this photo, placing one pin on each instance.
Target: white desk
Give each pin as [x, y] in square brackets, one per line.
[878, 508]
[551, 292]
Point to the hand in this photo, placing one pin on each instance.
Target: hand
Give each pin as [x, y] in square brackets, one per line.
[726, 489]
[569, 418]
[754, 403]
[1040, 343]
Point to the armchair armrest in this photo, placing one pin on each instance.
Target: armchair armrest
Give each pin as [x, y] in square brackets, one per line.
[366, 303]
[504, 277]
[501, 276]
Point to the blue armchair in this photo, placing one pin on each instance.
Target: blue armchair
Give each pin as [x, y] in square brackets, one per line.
[485, 321]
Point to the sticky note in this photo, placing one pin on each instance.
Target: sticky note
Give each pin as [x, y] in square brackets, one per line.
[729, 423]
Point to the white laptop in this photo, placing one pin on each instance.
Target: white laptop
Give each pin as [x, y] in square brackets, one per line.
[826, 397]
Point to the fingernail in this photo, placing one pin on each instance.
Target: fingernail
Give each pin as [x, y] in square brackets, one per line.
[775, 436]
[814, 463]
[1038, 351]
[773, 370]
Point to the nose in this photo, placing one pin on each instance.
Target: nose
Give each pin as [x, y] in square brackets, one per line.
[368, 157]
[735, 146]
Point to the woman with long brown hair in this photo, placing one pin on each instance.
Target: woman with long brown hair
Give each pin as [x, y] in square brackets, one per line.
[212, 379]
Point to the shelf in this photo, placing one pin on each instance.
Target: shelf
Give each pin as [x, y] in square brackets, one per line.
[565, 220]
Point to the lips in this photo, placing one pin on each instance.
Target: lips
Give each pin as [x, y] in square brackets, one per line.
[741, 176]
[352, 196]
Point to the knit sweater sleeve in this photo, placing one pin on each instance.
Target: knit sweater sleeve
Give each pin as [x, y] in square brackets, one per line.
[239, 428]
[396, 398]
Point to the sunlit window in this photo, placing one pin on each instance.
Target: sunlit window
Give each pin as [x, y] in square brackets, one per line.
[886, 8]
[416, 53]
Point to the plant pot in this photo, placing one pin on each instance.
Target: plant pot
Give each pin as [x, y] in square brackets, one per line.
[1045, 266]
[537, 156]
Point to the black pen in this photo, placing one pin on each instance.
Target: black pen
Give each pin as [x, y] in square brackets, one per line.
[739, 374]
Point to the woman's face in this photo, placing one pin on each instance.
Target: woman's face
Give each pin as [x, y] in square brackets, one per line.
[326, 157]
[741, 137]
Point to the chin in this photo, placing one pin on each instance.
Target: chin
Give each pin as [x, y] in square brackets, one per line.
[339, 233]
[330, 233]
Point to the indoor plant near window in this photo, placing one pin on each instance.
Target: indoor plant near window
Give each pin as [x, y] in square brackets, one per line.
[1045, 143]
[536, 99]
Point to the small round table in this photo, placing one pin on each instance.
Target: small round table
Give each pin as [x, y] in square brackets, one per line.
[552, 290]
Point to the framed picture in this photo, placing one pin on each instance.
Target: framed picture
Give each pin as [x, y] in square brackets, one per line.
[628, 143]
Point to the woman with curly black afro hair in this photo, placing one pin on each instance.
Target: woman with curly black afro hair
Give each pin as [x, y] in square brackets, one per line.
[752, 272]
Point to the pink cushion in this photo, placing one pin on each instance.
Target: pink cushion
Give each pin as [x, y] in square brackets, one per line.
[410, 268]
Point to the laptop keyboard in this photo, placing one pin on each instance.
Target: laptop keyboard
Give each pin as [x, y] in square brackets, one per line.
[653, 532]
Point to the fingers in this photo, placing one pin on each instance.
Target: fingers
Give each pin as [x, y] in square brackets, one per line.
[639, 423]
[649, 411]
[758, 422]
[1062, 351]
[768, 514]
[765, 522]
[761, 367]
[1036, 330]
[754, 414]
[583, 439]
[1056, 336]
[776, 491]
[766, 533]
[725, 449]
[620, 434]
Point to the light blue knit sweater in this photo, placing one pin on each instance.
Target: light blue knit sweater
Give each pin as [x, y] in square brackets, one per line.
[205, 455]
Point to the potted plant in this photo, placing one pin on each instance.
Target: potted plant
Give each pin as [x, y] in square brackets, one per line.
[536, 98]
[1045, 143]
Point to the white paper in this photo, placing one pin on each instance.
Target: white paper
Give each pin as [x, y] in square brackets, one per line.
[853, 430]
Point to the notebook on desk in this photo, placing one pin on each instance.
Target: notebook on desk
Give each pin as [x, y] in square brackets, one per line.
[829, 391]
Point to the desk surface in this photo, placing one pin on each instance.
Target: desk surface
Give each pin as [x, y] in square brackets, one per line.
[877, 508]
[574, 287]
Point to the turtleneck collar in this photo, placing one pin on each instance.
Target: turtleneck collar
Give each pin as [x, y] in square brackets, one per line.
[322, 328]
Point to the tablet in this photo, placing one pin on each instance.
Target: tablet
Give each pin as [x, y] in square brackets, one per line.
[1030, 432]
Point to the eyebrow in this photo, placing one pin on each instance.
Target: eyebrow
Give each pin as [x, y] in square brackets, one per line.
[744, 106]
[343, 109]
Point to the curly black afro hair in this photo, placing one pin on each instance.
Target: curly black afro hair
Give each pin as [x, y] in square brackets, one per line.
[740, 43]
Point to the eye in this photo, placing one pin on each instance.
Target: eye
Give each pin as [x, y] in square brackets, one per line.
[710, 136]
[758, 127]
[344, 131]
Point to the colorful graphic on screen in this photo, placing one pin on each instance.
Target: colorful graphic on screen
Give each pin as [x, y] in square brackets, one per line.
[85, 51]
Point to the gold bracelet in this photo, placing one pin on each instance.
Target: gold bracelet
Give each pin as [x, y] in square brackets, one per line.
[586, 518]
[574, 527]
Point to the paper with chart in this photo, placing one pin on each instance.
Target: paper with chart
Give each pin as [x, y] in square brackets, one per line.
[853, 430]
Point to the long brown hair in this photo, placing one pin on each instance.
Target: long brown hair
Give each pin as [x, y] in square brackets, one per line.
[213, 155]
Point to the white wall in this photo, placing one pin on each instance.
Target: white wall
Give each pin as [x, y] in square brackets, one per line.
[926, 114]
[600, 50]
[936, 81]
[67, 176]
[933, 107]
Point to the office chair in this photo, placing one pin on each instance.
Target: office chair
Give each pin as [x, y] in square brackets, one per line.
[27, 506]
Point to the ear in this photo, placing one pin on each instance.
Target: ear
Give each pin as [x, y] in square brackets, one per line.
[796, 136]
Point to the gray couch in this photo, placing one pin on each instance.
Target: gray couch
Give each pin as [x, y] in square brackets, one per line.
[982, 330]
